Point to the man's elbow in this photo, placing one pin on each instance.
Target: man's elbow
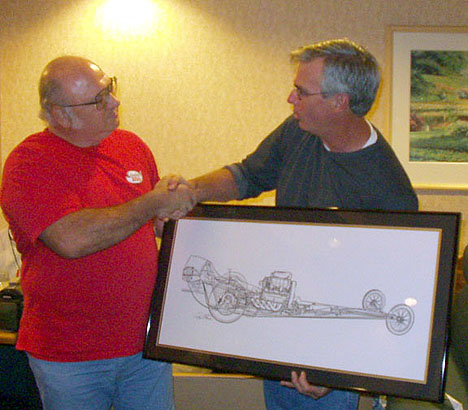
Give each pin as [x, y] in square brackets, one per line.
[63, 247]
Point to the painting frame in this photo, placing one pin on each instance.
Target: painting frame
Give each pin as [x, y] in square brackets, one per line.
[401, 40]
[175, 314]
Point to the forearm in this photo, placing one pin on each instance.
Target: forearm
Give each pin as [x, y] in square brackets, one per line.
[158, 227]
[90, 230]
[217, 186]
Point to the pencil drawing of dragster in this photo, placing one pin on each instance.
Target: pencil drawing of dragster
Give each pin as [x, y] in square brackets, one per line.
[228, 297]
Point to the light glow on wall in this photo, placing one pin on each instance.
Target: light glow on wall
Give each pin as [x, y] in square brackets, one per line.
[129, 18]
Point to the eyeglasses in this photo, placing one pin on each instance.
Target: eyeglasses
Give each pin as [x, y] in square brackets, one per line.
[101, 98]
[301, 93]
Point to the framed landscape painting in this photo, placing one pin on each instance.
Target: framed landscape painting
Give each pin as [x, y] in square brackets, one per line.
[357, 299]
[429, 104]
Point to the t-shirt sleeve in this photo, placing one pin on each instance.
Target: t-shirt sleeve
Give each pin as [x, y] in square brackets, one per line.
[34, 195]
[259, 171]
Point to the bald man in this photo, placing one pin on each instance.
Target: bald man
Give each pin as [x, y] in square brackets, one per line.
[82, 199]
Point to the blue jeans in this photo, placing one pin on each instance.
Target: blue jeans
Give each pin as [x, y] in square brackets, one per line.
[127, 383]
[278, 397]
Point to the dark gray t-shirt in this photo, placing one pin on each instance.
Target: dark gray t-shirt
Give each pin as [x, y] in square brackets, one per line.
[306, 175]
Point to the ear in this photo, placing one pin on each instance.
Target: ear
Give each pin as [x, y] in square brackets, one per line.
[341, 102]
[60, 116]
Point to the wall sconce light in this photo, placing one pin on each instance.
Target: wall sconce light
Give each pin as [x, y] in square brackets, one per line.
[129, 17]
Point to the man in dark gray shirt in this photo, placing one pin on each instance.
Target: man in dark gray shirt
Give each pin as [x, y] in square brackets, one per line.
[325, 155]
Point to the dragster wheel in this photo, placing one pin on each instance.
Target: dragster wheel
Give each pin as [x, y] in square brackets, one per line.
[374, 300]
[400, 319]
[224, 303]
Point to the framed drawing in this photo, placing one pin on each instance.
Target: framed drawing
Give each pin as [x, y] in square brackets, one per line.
[429, 104]
[359, 300]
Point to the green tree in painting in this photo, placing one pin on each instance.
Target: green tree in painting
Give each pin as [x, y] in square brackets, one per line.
[441, 63]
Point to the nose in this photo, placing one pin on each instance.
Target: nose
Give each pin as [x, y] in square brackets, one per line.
[113, 101]
[292, 98]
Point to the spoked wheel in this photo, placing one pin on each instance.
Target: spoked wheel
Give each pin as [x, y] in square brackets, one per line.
[400, 319]
[226, 303]
[374, 300]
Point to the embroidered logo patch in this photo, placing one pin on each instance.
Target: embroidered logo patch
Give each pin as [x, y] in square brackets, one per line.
[134, 177]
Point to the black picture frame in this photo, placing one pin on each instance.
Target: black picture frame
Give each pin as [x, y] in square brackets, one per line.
[229, 324]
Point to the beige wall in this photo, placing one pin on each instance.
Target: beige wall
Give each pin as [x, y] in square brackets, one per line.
[206, 83]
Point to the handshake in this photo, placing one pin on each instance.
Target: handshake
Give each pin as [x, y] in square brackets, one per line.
[175, 197]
